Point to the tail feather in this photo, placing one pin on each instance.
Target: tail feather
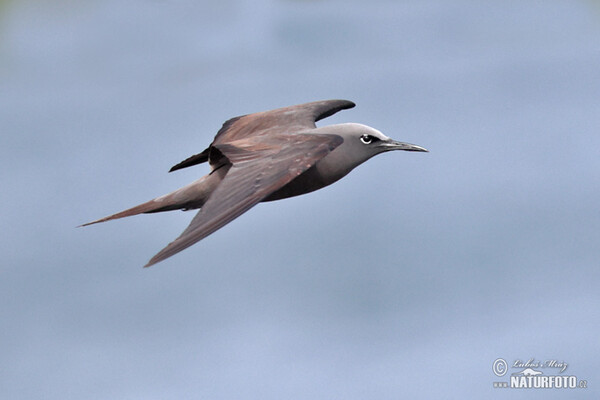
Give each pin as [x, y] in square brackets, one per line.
[147, 207]
[188, 197]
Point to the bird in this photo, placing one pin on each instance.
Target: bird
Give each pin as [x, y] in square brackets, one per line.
[262, 157]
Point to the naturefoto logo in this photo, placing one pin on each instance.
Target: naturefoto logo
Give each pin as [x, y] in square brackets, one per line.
[534, 374]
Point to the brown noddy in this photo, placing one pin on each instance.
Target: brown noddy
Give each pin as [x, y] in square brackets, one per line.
[266, 156]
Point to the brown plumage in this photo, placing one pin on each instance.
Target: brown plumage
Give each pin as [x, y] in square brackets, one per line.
[261, 157]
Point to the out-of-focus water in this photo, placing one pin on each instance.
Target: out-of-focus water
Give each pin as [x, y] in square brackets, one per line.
[407, 279]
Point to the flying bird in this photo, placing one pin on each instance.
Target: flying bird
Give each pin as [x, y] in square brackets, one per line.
[266, 156]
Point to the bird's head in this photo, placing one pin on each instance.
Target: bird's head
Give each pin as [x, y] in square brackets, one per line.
[362, 142]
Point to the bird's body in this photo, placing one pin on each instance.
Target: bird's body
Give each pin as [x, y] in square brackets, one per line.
[266, 156]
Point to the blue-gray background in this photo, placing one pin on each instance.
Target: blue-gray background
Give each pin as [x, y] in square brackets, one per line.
[407, 279]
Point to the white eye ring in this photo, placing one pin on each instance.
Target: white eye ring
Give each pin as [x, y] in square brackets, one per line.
[366, 139]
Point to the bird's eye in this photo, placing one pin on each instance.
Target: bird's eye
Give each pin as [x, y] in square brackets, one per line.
[367, 139]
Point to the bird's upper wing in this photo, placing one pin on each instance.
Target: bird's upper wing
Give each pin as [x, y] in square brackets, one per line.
[279, 121]
[260, 167]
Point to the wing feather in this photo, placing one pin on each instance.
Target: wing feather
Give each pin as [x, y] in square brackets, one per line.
[260, 167]
[287, 120]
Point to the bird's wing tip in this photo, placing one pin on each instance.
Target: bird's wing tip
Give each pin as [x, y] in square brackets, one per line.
[345, 104]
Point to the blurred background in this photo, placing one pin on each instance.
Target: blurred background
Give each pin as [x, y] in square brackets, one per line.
[406, 279]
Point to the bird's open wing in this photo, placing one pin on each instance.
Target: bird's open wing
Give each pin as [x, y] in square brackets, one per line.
[279, 121]
[260, 167]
